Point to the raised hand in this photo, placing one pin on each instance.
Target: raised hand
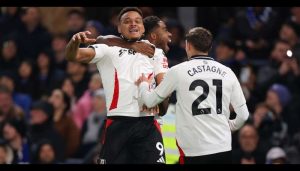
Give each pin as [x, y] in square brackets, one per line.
[82, 37]
[154, 110]
[143, 78]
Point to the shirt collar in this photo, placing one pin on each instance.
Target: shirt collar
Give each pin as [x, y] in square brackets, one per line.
[201, 57]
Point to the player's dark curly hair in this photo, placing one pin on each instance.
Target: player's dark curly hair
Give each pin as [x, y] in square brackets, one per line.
[127, 9]
[200, 38]
[150, 23]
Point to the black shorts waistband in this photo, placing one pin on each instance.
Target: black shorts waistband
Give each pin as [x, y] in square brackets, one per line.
[127, 118]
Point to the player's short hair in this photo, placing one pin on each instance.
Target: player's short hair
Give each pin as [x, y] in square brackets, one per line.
[200, 38]
[127, 9]
[150, 23]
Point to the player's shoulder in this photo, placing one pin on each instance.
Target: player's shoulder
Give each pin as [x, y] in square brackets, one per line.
[160, 55]
[224, 67]
[159, 51]
[180, 66]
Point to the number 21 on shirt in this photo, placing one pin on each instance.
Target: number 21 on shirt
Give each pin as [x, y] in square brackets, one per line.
[203, 96]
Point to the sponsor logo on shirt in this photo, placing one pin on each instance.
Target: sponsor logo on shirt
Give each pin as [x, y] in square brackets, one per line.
[129, 51]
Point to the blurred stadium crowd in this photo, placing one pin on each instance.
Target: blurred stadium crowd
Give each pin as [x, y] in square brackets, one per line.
[52, 111]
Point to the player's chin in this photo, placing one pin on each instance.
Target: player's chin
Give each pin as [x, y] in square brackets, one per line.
[135, 35]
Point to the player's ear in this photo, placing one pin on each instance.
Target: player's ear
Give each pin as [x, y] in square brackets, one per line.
[153, 36]
[187, 45]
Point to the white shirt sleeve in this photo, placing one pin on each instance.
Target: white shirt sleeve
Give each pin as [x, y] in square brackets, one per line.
[238, 102]
[237, 98]
[242, 115]
[163, 90]
[161, 62]
[101, 51]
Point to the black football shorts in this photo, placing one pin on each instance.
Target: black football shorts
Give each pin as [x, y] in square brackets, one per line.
[132, 140]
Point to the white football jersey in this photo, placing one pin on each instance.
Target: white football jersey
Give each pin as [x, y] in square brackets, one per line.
[204, 90]
[160, 63]
[119, 69]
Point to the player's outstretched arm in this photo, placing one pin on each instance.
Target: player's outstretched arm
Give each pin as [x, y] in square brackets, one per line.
[163, 107]
[150, 98]
[74, 53]
[140, 47]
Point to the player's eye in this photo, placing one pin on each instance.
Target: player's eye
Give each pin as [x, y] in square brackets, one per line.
[138, 21]
[126, 21]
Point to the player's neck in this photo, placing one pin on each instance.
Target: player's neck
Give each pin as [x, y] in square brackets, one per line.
[130, 40]
[193, 52]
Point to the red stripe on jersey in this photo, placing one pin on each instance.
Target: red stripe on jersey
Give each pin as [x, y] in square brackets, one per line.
[150, 75]
[115, 98]
[107, 124]
[181, 159]
[157, 125]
